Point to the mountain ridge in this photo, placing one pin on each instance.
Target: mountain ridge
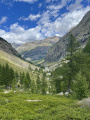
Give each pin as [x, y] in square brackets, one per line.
[9, 55]
[81, 32]
[7, 47]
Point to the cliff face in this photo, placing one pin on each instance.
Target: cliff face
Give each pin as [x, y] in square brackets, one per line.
[81, 32]
[7, 47]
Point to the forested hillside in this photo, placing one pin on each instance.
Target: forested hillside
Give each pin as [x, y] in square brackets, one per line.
[74, 74]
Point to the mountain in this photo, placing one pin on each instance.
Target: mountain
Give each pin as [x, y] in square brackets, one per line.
[7, 47]
[15, 45]
[81, 33]
[9, 55]
[37, 50]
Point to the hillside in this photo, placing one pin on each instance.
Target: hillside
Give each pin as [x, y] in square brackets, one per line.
[81, 33]
[37, 50]
[7, 47]
[9, 55]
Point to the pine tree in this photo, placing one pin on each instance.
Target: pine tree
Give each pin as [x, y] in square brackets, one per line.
[71, 49]
[81, 86]
[6, 75]
[44, 84]
[33, 87]
[87, 47]
[27, 81]
[38, 84]
[22, 76]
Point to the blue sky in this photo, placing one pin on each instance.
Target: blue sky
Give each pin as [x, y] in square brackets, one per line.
[28, 20]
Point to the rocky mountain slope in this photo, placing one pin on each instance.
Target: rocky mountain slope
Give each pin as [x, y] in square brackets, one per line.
[37, 50]
[7, 47]
[81, 32]
[9, 55]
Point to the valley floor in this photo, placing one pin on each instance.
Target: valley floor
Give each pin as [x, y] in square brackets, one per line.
[26, 106]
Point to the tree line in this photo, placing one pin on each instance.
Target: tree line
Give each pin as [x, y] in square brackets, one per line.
[14, 80]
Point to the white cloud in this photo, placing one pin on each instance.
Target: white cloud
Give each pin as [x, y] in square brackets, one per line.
[19, 34]
[50, 1]
[30, 17]
[75, 6]
[2, 32]
[16, 28]
[45, 18]
[40, 5]
[62, 24]
[55, 8]
[49, 23]
[3, 20]
[28, 1]
[58, 6]
[45, 27]
[9, 3]
[65, 23]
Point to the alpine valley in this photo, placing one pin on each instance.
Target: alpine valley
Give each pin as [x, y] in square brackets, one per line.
[45, 79]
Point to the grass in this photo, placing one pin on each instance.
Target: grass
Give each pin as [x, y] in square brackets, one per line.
[38, 62]
[13, 106]
[15, 62]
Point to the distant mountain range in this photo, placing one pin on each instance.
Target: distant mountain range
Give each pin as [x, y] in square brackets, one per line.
[36, 51]
[81, 33]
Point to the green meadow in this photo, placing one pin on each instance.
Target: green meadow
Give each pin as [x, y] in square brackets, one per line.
[22, 106]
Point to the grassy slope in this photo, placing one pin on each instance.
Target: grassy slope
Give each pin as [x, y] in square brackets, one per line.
[14, 62]
[13, 106]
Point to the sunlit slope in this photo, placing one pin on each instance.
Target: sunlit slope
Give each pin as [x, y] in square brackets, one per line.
[15, 62]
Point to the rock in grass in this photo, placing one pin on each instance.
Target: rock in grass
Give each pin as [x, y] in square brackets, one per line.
[84, 103]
